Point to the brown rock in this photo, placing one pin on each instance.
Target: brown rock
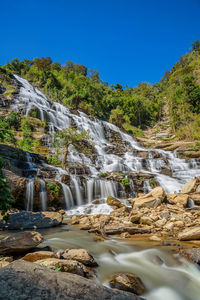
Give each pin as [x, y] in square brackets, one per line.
[113, 202]
[65, 265]
[178, 199]
[190, 186]
[4, 261]
[38, 255]
[191, 254]
[127, 282]
[190, 234]
[80, 255]
[152, 199]
[20, 242]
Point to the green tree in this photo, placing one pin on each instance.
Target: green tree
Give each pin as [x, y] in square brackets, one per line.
[69, 136]
[6, 198]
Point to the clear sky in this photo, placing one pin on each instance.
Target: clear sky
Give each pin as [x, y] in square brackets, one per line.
[127, 41]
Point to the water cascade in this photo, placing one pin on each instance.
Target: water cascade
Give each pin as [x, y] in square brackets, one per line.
[43, 195]
[128, 160]
[30, 194]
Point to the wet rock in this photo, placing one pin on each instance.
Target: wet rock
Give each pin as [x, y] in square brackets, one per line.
[113, 202]
[195, 197]
[20, 242]
[38, 255]
[80, 255]
[66, 265]
[192, 233]
[21, 278]
[127, 282]
[30, 220]
[178, 199]
[146, 220]
[111, 230]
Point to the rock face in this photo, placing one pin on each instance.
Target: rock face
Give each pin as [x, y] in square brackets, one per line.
[190, 234]
[127, 282]
[30, 220]
[80, 255]
[193, 254]
[113, 202]
[25, 280]
[152, 199]
[20, 242]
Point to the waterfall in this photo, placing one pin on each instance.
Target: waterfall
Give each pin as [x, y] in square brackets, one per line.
[43, 195]
[128, 159]
[30, 194]
[77, 187]
[68, 196]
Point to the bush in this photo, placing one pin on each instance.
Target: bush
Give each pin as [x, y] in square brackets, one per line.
[102, 175]
[125, 182]
[53, 188]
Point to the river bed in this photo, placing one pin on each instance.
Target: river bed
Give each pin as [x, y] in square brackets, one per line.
[165, 275]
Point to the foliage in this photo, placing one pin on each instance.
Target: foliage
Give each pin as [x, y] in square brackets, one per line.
[125, 181]
[53, 188]
[69, 136]
[6, 198]
[102, 175]
[53, 159]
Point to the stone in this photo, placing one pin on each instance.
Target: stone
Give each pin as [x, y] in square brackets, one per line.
[66, 265]
[191, 254]
[195, 197]
[38, 255]
[32, 220]
[146, 220]
[135, 218]
[178, 199]
[80, 255]
[25, 280]
[20, 242]
[189, 187]
[190, 234]
[113, 202]
[5, 261]
[155, 238]
[152, 199]
[127, 282]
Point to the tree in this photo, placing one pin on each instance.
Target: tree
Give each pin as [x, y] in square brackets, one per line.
[43, 63]
[196, 45]
[6, 198]
[69, 136]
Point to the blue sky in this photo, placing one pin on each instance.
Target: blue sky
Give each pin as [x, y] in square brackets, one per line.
[127, 41]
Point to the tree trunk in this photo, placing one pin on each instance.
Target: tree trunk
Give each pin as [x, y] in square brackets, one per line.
[64, 162]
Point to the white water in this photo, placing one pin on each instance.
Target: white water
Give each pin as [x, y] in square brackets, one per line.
[43, 195]
[29, 194]
[59, 117]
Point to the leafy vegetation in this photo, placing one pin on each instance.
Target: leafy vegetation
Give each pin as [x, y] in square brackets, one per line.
[6, 198]
[53, 188]
[102, 175]
[125, 182]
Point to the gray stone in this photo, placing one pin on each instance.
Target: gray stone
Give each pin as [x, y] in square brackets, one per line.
[25, 280]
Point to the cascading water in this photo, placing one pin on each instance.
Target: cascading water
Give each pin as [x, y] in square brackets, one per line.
[68, 196]
[59, 117]
[43, 195]
[29, 194]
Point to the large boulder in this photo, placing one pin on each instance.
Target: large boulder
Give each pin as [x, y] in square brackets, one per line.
[80, 255]
[113, 202]
[25, 280]
[192, 233]
[193, 185]
[32, 220]
[152, 199]
[20, 242]
[127, 282]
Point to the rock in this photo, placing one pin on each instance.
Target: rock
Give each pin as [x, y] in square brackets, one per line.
[38, 255]
[178, 199]
[127, 282]
[135, 218]
[155, 238]
[191, 254]
[62, 212]
[195, 197]
[66, 265]
[25, 280]
[191, 185]
[118, 230]
[5, 261]
[80, 255]
[152, 199]
[32, 220]
[190, 234]
[146, 220]
[113, 202]
[20, 242]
